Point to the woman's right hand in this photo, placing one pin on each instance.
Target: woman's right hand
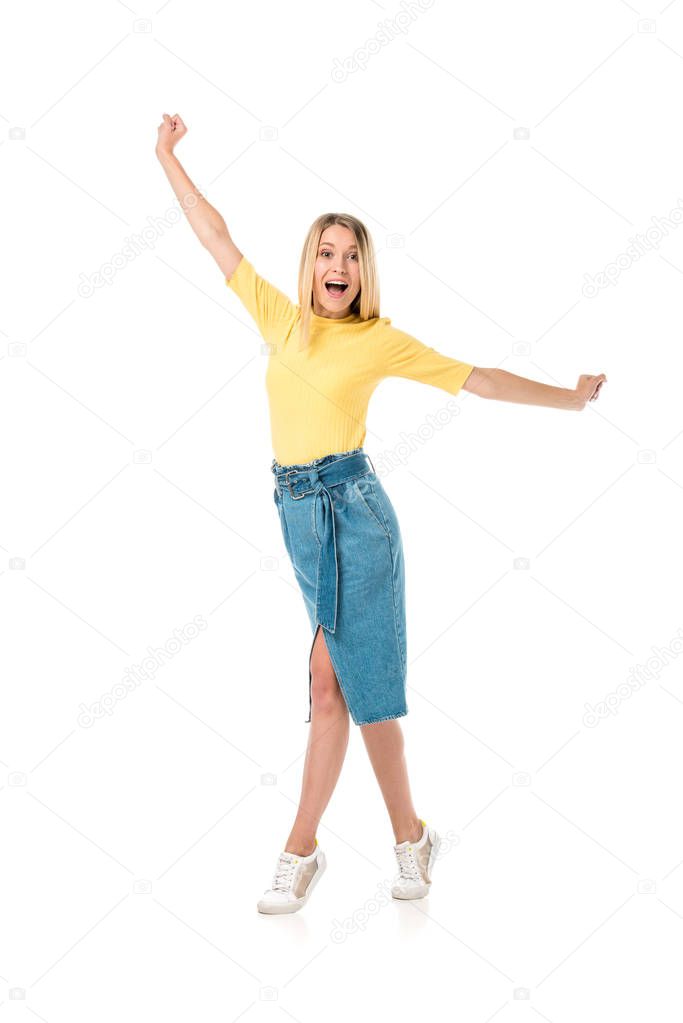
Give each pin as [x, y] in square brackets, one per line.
[169, 132]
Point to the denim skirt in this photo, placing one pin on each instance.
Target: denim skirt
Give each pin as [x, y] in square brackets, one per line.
[343, 540]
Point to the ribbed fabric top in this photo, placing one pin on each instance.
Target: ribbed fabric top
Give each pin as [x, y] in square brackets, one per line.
[319, 398]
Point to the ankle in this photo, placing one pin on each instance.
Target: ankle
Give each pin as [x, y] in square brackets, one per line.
[298, 848]
[408, 831]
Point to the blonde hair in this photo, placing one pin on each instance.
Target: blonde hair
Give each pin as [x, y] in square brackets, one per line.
[366, 302]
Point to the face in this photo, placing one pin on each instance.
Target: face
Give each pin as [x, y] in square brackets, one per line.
[337, 260]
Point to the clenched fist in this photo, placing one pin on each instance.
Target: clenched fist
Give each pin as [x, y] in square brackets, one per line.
[169, 132]
[588, 386]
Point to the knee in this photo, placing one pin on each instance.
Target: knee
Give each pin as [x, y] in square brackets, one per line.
[326, 695]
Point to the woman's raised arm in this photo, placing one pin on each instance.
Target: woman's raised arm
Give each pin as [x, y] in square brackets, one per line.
[205, 220]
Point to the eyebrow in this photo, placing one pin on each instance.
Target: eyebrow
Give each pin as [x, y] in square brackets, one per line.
[333, 246]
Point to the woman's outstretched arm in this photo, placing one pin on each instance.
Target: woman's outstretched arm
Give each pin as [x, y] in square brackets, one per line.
[205, 220]
[503, 386]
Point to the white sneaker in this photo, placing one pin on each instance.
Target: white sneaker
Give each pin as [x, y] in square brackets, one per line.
[294, 879]
[415, 864]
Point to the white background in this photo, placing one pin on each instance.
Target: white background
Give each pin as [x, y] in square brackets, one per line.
[498, 153]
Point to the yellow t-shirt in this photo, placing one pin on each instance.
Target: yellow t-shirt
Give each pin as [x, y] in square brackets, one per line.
[319, 397]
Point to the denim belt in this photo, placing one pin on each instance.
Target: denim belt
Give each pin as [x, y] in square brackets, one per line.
[317, 479]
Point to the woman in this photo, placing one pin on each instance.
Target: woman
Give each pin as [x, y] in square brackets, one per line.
[327, 355]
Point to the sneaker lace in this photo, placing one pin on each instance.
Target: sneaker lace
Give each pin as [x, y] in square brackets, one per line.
[407, 865]
[284, 872]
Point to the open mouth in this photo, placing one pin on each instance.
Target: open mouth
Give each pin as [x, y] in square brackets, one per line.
[335, 287]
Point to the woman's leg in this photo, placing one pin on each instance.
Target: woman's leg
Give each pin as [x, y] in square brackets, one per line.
[384, 743]
[328, 738]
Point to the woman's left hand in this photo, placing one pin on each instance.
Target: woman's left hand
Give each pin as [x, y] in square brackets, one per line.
[588, 387]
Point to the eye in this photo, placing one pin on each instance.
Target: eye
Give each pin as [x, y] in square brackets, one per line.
[355, 256]
[326, 252]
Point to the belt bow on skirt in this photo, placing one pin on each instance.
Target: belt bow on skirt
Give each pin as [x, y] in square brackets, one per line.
[299, 483]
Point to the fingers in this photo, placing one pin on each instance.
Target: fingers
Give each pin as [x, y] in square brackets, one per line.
[597, 380]
[174, 124]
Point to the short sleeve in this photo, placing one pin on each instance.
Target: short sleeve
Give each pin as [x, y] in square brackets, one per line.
[273, 313]
[405, 356]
